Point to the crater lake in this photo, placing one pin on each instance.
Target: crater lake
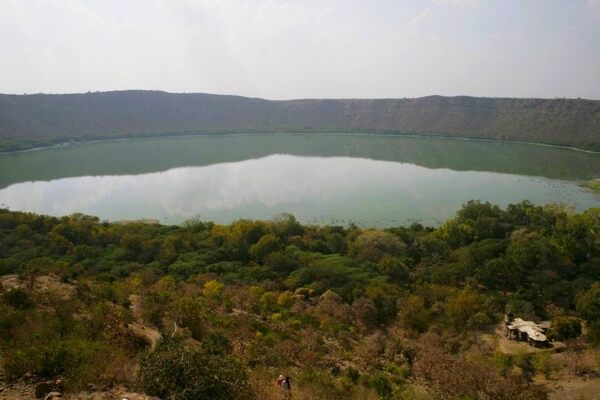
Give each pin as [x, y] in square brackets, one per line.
[369, 180]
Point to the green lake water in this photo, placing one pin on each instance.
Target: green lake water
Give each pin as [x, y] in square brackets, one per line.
[373, 180]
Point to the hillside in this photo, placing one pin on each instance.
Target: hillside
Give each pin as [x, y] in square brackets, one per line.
[42, 119]
[206, 311]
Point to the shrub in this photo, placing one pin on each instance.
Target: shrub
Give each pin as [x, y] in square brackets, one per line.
[212, 288]
[9, 318]
[18, 298]
[178, 373]
[588, 307]
[51, 359]
[565, 328]
[544, 363]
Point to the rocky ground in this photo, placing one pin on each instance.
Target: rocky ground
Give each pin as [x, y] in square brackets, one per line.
[27, 389]
[41, 285]
[30, 387]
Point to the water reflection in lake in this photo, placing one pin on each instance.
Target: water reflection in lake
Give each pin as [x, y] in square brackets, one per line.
[159, 154]
[315, 189]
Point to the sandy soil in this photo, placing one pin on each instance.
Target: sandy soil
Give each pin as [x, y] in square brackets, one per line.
[46, 284]
[499, 341]
[140, 328]
[574, 389]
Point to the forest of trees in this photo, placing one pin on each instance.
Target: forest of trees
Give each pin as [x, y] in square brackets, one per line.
[349, 313]
[37, 120]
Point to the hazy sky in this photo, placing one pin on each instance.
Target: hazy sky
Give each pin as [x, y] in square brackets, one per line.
[303, 48]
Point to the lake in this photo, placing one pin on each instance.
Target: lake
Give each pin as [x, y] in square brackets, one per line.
[370, 180]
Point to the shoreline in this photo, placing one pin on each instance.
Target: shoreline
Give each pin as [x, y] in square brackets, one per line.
[315, 133]
[592, 185]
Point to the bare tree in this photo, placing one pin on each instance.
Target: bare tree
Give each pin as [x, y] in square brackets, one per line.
[574, 352]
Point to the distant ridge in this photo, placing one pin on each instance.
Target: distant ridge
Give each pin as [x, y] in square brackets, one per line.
[43, 119]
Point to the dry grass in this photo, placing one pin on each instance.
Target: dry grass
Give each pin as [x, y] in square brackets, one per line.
[41, 285]
[265, 388]
[564, 384]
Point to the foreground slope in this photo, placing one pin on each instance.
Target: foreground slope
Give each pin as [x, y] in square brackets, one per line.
[40, 119]
[348, 313]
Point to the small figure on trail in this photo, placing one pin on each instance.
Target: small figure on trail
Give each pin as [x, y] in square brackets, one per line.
[285, 384]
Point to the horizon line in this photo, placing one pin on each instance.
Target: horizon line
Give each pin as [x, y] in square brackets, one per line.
[289, 99]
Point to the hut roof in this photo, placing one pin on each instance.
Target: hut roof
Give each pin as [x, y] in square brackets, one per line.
[533, 330]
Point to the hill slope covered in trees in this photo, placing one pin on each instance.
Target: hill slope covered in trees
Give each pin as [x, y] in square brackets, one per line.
[41, 119]
[349, 313]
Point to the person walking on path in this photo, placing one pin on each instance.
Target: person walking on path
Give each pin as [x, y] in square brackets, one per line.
[285, 384]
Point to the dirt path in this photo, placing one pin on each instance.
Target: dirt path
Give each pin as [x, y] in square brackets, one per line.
[136, 307]
[574, 389]
[140, 328]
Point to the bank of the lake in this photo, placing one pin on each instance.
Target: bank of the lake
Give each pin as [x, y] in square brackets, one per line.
[593, 185]
[43, 145]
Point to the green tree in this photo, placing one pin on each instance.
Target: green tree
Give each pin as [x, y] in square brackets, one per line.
[588, 307]
[464, 305]
[373, 245]
[394, 268]
[501, 274]
[266, 245]
[413, 314]
[565, 328]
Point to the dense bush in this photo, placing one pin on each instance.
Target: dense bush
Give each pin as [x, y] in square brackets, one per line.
[179, 373]
[17, 298]
[565, 328]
